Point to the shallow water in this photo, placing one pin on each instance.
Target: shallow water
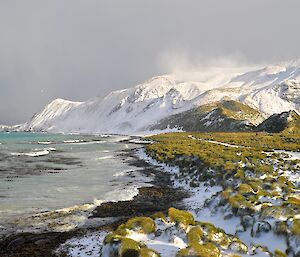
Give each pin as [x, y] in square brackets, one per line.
[41, 173]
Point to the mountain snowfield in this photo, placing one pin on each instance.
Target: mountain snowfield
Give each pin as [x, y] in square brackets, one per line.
[271, 89]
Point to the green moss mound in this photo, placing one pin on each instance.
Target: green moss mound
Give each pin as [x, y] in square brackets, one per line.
[146, 252]
[195, 235]
[204, 239]
[181, 217]
[296, 227]
[141, 224]
[294, 200]
[245, 189]
[129, 246]
[279, 253]
[200, 250]
[214, 234]
[159, 215]
[237, 201]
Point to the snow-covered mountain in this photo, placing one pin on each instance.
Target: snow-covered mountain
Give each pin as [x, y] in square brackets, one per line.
[11, 128]
[272, 89]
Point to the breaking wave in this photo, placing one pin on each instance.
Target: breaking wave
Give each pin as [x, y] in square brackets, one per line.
[65, 219]
[35, 153]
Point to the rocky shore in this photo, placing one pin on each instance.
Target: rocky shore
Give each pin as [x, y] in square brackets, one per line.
[160, 196]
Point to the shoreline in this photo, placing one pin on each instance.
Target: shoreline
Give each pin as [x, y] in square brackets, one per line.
[158, 197]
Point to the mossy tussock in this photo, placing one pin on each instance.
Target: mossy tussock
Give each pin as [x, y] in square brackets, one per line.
[255, 179]
[181, 217]
[202, 239]
[118, 243]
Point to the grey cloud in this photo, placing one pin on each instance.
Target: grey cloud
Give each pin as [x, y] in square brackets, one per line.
[77, 49]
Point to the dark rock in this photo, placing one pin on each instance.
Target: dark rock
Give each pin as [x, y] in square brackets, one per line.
[33, 245]
[16, 242]
[260, 227]
[244, 211]
[42, 241]
[148, 201]
[247, 221]
[228, 215]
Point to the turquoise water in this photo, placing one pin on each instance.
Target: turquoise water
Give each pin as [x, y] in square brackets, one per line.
[52, 182]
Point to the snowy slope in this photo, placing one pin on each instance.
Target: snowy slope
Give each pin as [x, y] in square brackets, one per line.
[271, 90]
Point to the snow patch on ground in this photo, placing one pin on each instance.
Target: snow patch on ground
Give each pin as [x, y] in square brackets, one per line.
[216, 142]
[163, 244]
[87, 246]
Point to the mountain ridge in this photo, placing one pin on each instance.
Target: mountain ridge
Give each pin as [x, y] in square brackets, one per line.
[286, 122]
[226, 115]
[272, 89]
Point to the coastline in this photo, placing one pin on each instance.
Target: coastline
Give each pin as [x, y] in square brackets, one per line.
[171, 184]
[158, 197]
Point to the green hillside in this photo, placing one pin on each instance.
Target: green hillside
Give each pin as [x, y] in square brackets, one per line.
[224, 116]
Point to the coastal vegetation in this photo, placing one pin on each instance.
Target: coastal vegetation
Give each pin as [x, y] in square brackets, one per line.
[194, 238]
[256, 173]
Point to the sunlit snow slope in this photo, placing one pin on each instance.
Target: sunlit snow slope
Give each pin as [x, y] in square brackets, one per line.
[271, 90]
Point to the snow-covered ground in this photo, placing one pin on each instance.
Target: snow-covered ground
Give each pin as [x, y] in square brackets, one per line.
[232, 225]
[272, 89]
[216, 142]
[88, 245]
[169, 244]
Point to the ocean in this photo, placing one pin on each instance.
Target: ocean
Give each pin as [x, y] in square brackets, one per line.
[52, 182]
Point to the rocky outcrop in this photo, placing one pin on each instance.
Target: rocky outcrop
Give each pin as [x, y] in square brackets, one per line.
[288, 122]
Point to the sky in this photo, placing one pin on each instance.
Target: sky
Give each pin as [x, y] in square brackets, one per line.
[78, 49]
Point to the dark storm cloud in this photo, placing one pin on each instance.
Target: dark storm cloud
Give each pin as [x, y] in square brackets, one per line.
[77, 49]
